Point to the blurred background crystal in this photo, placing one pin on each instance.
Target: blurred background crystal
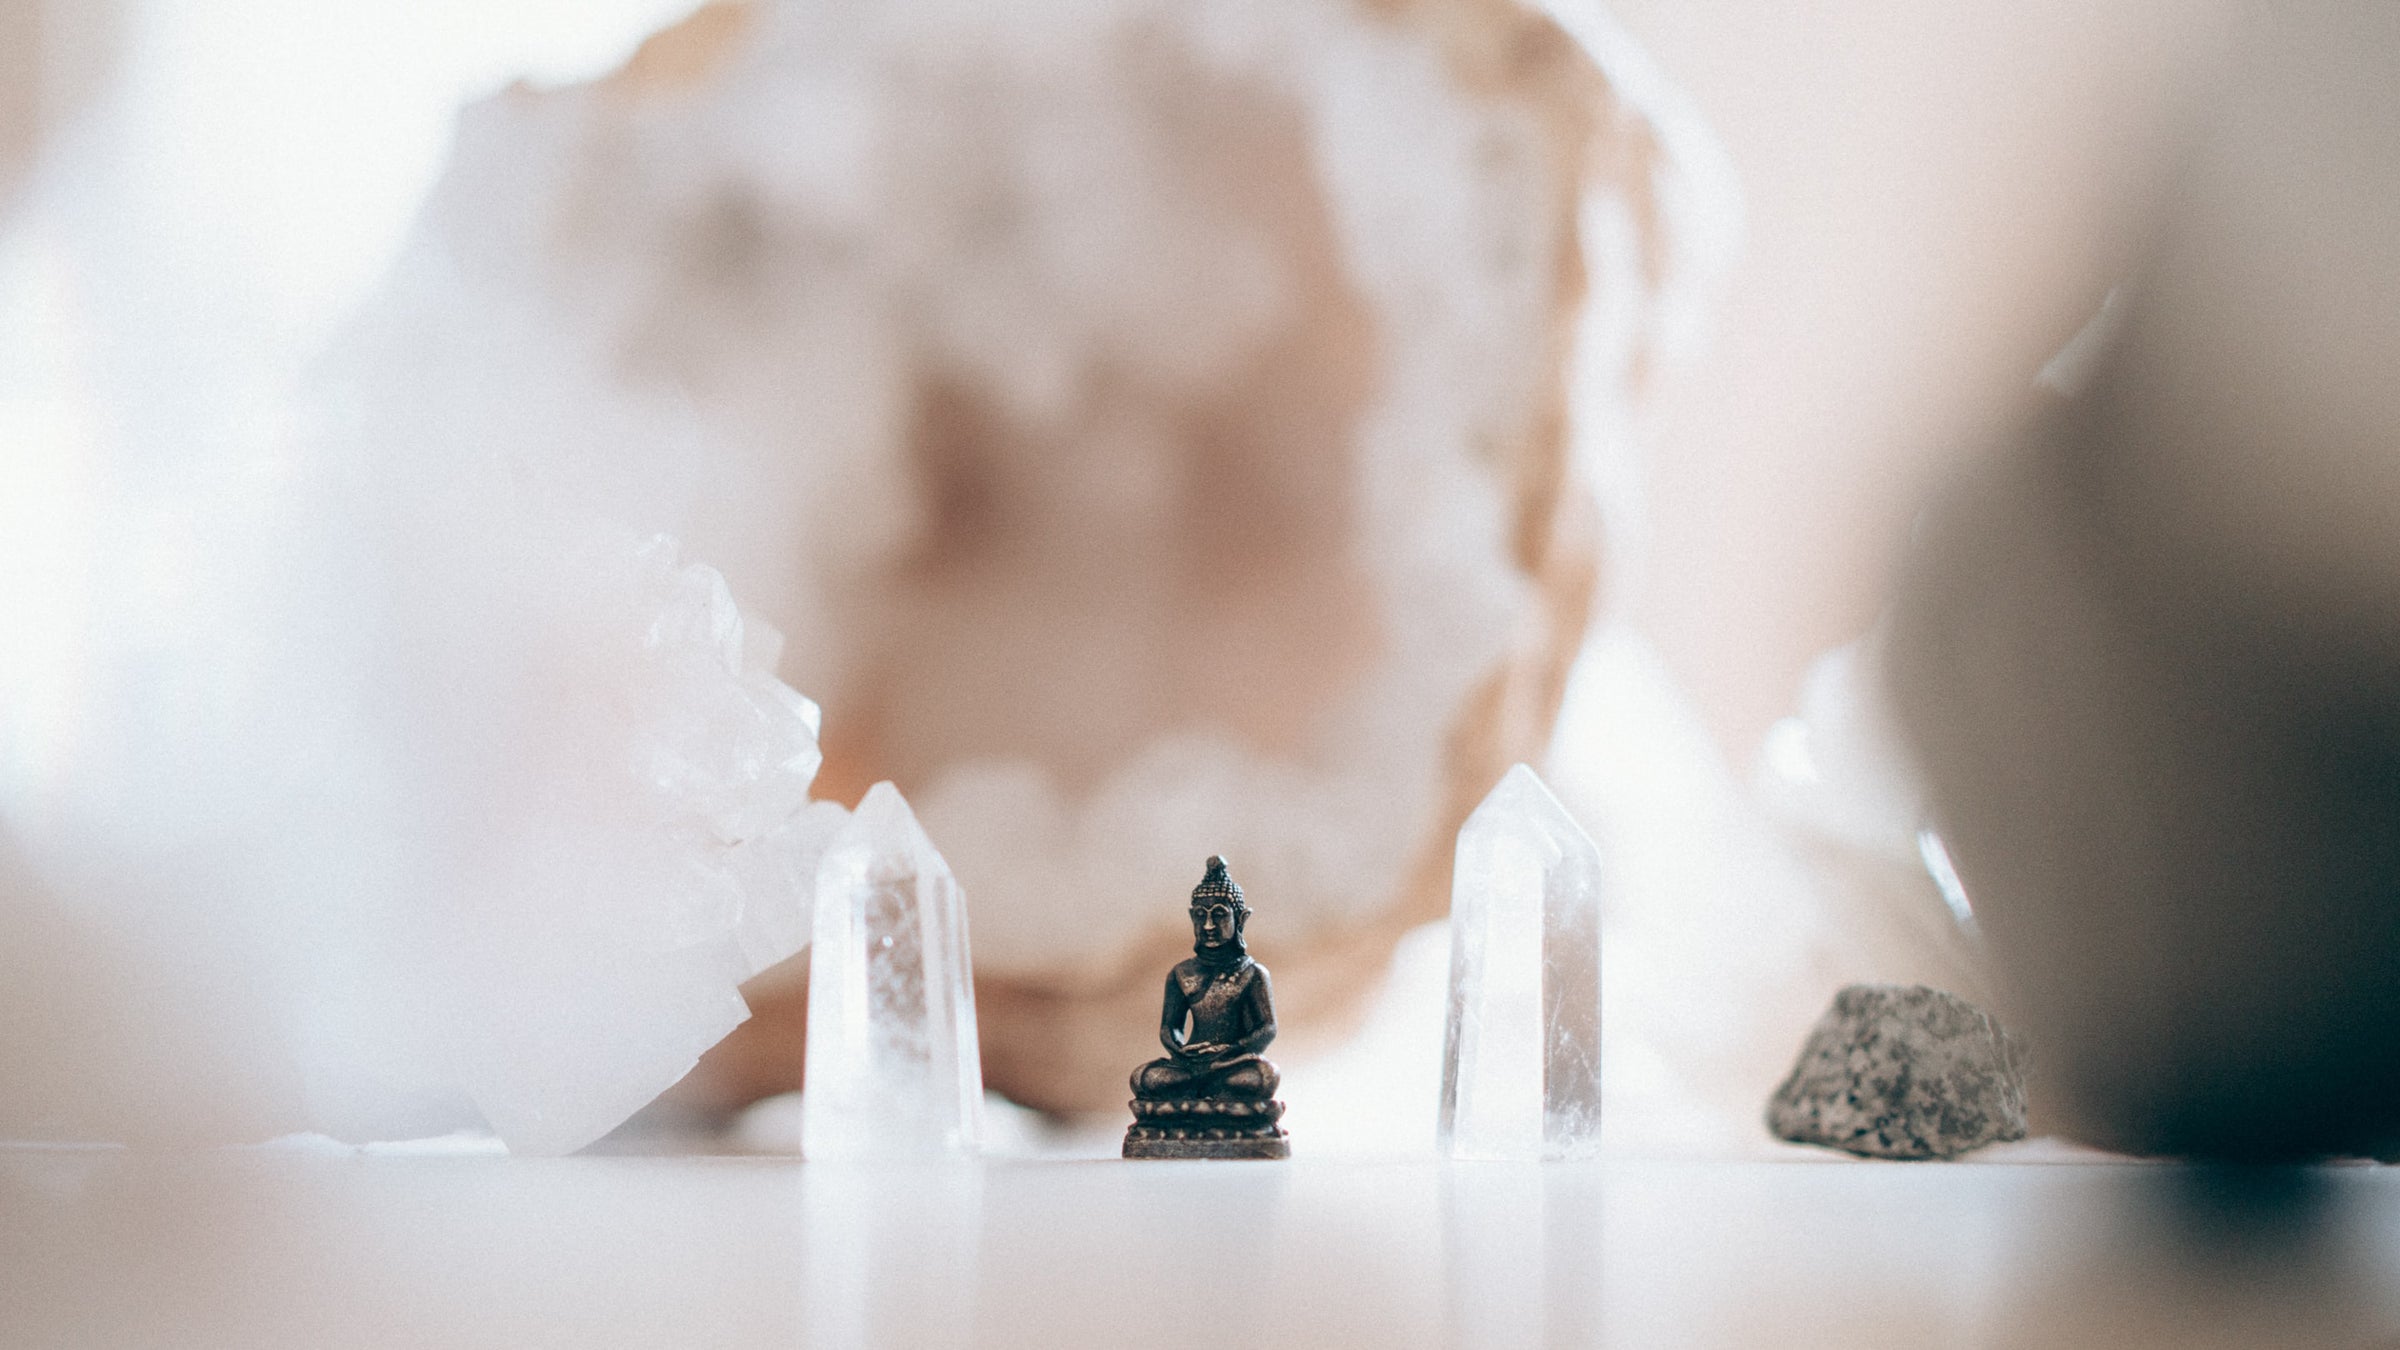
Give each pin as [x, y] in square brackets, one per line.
[1838, 778]
[1521, 1053]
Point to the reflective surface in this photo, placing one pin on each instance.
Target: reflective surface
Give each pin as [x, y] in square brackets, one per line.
[277, 1249]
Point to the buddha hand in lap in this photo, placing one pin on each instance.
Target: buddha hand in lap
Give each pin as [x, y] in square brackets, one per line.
[1205, 1070]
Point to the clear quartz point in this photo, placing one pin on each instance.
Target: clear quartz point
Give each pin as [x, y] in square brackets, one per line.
[894, 1068]
[1521, 1058]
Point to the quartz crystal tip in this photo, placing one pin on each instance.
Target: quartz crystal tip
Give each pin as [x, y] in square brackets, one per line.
[894, 1069]
[1521, 1051]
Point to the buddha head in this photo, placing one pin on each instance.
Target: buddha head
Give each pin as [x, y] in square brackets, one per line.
[1218, 913]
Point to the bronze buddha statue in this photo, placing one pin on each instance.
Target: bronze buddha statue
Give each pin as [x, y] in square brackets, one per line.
[1213, 1095]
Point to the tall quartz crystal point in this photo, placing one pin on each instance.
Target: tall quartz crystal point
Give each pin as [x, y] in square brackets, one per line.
[1521, 1060]
[893, 1069]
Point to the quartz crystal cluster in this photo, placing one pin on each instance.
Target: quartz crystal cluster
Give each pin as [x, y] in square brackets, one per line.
[358, 777]
[447, 812]
[1521, 1060]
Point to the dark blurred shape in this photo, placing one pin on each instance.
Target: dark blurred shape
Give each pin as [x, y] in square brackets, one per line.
[2151, 656]
[2229, 1216]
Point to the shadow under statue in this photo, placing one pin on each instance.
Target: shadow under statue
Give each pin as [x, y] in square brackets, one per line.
[1213, 1095]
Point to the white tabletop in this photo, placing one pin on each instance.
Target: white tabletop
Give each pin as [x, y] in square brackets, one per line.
[290, 1248]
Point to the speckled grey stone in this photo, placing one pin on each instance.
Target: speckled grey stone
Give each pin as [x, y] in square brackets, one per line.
[1902, 1071]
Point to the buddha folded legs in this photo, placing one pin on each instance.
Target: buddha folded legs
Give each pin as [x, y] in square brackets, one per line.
[1249, 1076]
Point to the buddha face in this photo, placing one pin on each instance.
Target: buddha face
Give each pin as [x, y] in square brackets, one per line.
[1214, 924]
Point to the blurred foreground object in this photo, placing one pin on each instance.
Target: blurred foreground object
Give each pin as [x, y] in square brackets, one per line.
[2151, 655]
[1149, 420]
[1521, 1046]
[351, 780]
[1908, 1073]
[483, 826]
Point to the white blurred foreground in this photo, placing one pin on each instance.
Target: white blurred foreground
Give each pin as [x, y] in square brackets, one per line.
[349, 782]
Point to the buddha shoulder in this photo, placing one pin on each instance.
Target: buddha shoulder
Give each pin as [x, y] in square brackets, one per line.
[1194, 977]
[1190, 976]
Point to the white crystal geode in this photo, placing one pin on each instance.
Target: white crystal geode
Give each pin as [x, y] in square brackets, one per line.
[1148, 420]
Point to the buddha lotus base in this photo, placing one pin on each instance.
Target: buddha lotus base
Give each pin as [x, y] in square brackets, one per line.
[1207, 1128]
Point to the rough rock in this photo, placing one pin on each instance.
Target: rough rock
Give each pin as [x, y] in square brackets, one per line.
[1902, 1071]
